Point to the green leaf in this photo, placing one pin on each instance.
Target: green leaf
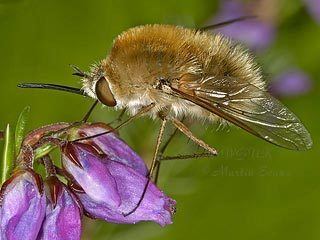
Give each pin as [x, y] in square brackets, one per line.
[21, 128]
[8, 154]
[43, 150]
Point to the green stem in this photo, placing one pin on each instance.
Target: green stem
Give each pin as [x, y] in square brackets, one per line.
[8, 154]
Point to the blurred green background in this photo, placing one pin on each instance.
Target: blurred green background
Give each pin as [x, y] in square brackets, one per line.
[252, 190]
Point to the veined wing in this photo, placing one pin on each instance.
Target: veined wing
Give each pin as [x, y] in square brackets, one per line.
[250, 108]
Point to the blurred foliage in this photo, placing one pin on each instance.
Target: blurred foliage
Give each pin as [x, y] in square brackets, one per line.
[252, 190]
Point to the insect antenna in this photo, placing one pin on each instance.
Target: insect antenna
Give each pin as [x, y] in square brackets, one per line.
[78, 72]
[225, 23]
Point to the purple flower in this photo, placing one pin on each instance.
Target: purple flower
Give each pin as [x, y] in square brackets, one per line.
[112, 178]
[155, 206]
[113, 146]
[314, 8]
[106, 180]
[63, 215]
[22, 207]
[290, 83]
[87, 169]
[256, 33]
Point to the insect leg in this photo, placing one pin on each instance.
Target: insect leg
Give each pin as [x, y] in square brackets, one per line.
[139, 113]
[152, 168]
[74, 124]
[162, 150]
[157, 172]
[119, 118]
[157, 149]
[85, 118]
[177, 157]
[188, 156]
[166, 144]
[185, 130]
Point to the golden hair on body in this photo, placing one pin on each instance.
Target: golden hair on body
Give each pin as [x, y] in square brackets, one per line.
[190, 73]
[143, 55]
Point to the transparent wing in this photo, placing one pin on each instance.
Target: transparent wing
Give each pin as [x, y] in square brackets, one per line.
[250, 108]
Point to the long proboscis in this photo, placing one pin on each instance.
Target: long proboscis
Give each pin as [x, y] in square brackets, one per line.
[53, 87]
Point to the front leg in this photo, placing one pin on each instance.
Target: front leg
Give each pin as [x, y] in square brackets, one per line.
[142, 111]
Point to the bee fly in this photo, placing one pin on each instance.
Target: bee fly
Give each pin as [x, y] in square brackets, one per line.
[173, 72]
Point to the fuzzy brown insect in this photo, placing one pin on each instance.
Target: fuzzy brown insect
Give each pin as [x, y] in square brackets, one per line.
[195, 74]
[173, 72]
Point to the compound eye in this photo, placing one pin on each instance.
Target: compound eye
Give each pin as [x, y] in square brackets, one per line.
[104, 93]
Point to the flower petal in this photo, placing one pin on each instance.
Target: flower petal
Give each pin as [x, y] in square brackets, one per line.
[155, 206]
[314, 8]
[114, 147]
[92, 176]
[255, 33]
[22, 208]
[63, 219]
[290, 83]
